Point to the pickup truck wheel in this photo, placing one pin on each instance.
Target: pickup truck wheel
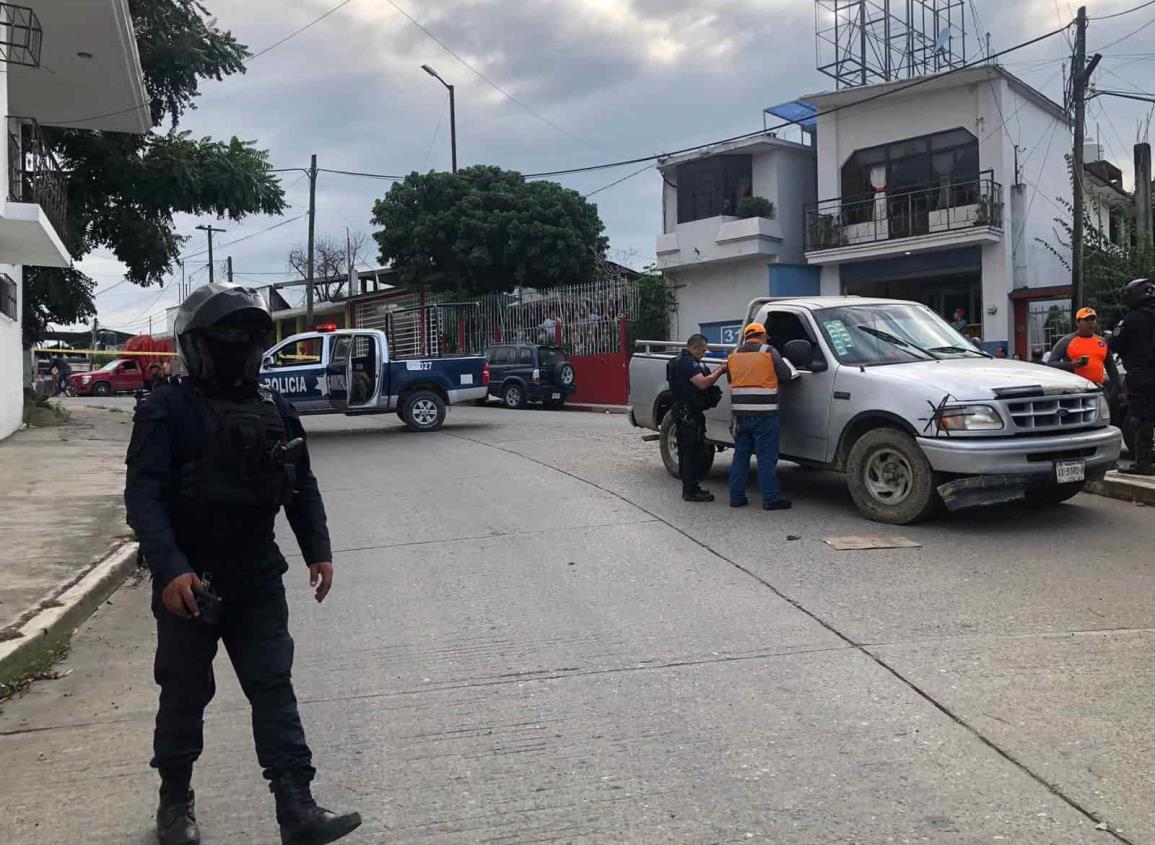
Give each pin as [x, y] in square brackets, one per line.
[513, 396]
[1055, 495]
[423, 411]
[890, 478]
[668, 446]
[102, 388]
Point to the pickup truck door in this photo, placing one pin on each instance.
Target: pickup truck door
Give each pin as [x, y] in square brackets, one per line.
[364, 371]
[127, 377]
[337, 371]
[804, 409]
[296, 368]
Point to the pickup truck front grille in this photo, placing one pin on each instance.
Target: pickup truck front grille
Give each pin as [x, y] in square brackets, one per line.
[1054, 413]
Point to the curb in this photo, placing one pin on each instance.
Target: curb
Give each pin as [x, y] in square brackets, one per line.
[70, 609]
[1125, 488]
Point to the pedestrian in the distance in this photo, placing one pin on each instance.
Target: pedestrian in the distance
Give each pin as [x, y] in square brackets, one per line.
[61, 372]
[211, 462]
[1001, 352]
[757, 373]
[695, 392]
[1084, 352]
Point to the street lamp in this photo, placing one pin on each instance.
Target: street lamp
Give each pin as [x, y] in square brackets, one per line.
[452, 113]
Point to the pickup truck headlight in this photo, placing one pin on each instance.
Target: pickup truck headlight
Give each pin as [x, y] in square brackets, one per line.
[1104, 409]
[970, 418]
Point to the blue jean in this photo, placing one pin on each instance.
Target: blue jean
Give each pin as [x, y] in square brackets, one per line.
[757, 435]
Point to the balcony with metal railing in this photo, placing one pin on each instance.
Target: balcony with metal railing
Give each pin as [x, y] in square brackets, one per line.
[21, 36]
[34, 176]
[922, 219]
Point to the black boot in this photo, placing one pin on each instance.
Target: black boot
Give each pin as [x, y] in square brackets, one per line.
[176, 819]
[302, 821]
[1144, 446]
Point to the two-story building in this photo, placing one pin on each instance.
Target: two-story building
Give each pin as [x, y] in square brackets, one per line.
[720, 246]
[66, 64]
[945, 190]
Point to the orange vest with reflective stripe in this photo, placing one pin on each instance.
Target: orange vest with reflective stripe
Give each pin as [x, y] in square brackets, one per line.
[753, 383]
[1095, 348]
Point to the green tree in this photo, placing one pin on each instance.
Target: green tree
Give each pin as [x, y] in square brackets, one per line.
[485, 230]
[123, 190]
[656, 302]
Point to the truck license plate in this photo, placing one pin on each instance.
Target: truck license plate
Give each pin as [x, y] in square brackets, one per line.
[1068, 472]
[557, 396]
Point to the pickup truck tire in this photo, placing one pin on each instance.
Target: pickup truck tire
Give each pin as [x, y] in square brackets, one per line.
[890, 478]
[423, 410]
[102, 388]
[1054, 495]
[668, 446]
[513, 396]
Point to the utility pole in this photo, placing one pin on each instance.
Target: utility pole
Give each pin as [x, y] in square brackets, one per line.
[183, 283]
[209, 231]
[312, 230]
[1081, 72]
[229, 266]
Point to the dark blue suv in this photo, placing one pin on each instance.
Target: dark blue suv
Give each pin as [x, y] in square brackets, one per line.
[520, 373]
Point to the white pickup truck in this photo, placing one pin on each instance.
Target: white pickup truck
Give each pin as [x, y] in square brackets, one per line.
[902, 403]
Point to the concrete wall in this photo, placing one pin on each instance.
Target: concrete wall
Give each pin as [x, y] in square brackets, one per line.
[797, 188]
[11, 351]
[717, 292]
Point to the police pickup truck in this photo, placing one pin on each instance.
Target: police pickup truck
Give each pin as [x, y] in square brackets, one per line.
[350, 371]
[908, 408]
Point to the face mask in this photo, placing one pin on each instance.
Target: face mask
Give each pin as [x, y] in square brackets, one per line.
[232, 360]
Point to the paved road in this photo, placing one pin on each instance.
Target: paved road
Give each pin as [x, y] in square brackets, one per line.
[534, 640]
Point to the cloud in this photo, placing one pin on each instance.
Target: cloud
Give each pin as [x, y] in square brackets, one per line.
[624, 78]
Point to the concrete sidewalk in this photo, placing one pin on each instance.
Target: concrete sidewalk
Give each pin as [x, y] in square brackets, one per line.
[63, 517]
[1129, 488]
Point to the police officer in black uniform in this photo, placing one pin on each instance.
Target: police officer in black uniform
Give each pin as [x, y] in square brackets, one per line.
[212, 460]
[695, 392]
[1134, 342]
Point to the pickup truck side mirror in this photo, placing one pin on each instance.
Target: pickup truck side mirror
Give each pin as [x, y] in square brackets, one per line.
[803, 355]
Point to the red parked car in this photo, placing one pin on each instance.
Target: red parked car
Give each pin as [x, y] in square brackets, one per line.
[121, 375]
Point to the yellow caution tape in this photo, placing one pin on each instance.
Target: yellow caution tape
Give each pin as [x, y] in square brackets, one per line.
[112, 353]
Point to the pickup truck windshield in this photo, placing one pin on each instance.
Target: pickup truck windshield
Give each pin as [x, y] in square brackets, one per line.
[110, 366]
[871, 335]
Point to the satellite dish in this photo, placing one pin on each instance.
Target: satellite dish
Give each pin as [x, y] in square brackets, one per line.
[942, 40]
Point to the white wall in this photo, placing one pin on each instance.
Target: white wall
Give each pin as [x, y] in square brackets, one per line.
[719, 291]
[11, 352]
[797, 187]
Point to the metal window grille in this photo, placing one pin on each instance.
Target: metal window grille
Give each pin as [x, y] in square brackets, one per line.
[21, 35]
[9, 301]
[34, 175]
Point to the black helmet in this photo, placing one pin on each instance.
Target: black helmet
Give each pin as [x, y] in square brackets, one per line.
[222, 306]
[1140, 293]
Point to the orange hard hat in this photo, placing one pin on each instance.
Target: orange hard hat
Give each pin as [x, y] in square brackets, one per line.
[1086, 314]
[754, 328]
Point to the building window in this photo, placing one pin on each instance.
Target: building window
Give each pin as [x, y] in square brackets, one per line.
[8, 298]
[940, 159]
[713, 186]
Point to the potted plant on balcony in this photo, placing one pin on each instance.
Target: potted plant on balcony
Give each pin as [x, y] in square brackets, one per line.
[756, 207]
[825, 231]
[983, 212]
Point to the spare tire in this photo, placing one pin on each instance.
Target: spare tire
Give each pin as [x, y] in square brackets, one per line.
[564, 374]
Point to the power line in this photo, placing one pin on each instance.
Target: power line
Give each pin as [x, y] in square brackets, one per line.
[1124, 12]
[245, 238]
[1125, 37]
[489, 81]
[365, 175]
[297, 32]
[913, 84]
[619, 181]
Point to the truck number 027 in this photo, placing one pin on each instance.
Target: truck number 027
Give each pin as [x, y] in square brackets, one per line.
[419, 365]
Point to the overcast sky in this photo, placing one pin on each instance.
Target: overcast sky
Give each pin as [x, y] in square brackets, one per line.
[615, 78]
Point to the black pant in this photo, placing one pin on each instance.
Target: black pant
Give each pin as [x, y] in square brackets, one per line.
[255, 632]
[1141, 406]
[691, 436]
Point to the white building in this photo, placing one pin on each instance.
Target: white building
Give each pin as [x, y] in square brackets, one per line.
[70, 63]
[717, 257]
[945, 192]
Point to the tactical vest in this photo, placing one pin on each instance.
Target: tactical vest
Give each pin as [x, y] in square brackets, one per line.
[244, 459]
[753, 382]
